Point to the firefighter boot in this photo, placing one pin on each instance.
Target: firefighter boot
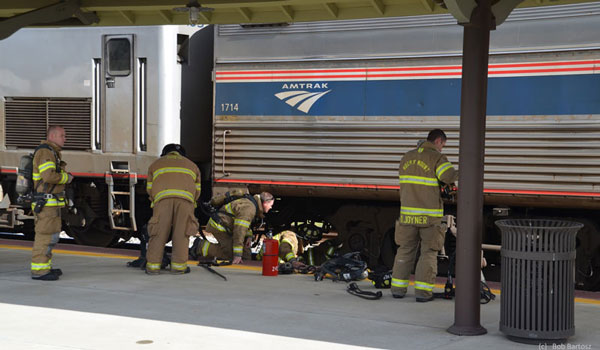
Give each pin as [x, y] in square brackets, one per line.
[50, 276]
[193, 252]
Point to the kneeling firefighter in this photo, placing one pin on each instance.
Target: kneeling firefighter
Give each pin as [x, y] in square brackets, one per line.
[231, 226]
[174, 187]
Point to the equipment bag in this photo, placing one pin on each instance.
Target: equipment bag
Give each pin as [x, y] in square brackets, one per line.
[348, 267]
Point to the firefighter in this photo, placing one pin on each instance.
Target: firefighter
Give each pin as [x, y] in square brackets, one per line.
[49, 180]
[289, 248]
[231, 228]
[174, 187]
[422, 170]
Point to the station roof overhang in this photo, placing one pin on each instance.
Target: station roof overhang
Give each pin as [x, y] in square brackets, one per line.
[16, 14]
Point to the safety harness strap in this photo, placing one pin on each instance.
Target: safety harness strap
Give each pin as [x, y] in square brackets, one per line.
[354, 290]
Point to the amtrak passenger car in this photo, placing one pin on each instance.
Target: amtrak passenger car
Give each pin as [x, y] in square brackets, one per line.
[321, 114]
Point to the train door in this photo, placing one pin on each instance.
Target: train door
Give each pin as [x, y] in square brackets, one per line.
[118, 96]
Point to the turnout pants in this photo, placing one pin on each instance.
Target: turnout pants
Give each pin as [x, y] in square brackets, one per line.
[174, 214]
[408, 238]
[223, 250]
[47, 233]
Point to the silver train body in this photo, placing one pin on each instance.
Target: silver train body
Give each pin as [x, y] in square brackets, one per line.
[117, 92]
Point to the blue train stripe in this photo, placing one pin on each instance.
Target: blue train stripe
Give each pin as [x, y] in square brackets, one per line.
[512, 95]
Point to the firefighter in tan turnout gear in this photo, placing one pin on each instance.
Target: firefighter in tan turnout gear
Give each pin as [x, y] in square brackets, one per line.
[49, 179]
[421, 211]
[231, 228]
[174, 187]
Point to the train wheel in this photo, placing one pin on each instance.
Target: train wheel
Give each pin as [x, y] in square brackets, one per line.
[98, 234]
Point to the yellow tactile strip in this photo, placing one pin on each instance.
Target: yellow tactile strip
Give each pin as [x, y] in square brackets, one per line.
[239, 267]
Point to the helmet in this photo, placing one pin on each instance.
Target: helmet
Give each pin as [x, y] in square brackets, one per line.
[309, 232]
[381, 277]
[173, 147]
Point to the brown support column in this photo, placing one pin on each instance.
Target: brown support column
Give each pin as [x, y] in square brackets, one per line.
[471, 159]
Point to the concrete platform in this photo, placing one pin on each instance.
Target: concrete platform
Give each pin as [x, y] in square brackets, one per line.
[100, 304]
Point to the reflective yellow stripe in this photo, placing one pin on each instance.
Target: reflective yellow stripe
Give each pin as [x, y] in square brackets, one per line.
[198, 187]
[423, 286]
[167, 170]
[180, 267]
[173, 193]
[399, 283]
[442, 169]
[242, 223]
[418, 180]
[311, 258]
[205, 248]
[40, 266]
[36, 177]
[421, 211]
[45, 166]
[64, 177]
[149, 185]
[153, 266]
[289, 256]
[228, 208]
[212, 223]
[330, 252]
[52, 202]
[238, 249]
[285, 240]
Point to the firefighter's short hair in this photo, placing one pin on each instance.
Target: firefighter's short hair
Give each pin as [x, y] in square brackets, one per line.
[436, 134]
[266, 196]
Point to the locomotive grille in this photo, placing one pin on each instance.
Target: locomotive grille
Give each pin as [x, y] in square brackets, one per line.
[27, 119]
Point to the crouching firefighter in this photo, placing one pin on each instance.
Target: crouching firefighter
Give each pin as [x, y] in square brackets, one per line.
[174, 187]
[231, 226]
[49, 180]
[288, 252]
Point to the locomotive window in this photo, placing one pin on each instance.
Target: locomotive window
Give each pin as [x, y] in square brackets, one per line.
[118, 54]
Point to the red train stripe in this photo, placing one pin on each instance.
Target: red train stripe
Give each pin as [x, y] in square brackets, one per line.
[220, 75]
[291, 77]
[292, 71]
[392, 75]
[316, 184]
[388, 187]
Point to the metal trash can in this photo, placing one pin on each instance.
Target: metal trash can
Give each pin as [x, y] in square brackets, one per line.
[538, 281]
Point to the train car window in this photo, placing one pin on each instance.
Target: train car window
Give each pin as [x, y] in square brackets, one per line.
[118, 53]
[183, 48]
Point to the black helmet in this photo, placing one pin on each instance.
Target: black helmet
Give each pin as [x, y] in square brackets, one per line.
[381, 277]
[173, 147]
[309, 232]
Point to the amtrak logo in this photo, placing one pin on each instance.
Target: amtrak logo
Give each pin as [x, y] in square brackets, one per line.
[303, 99]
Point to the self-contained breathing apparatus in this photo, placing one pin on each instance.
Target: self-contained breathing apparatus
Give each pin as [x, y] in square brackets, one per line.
[27, 195]
[348, 267]
[213, 208]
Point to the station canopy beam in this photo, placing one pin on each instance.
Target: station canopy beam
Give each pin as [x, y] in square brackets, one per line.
[27, 13]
